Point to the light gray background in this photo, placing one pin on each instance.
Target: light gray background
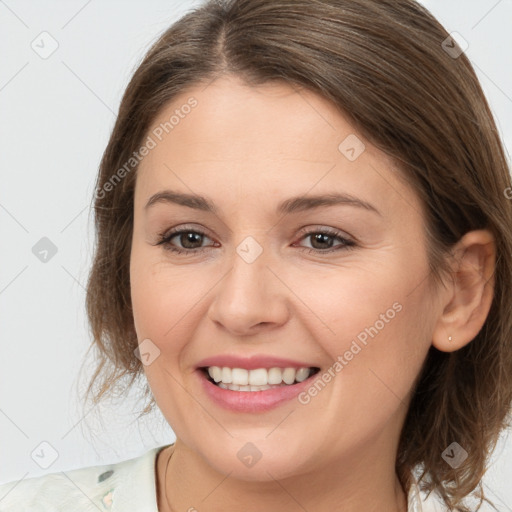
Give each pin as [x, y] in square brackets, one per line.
[56, 116]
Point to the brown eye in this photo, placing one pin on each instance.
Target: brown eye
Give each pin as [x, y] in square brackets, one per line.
[189, 239]
[183, 241]
[323, 241]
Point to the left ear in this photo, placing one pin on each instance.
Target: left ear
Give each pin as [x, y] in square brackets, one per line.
[470, 292]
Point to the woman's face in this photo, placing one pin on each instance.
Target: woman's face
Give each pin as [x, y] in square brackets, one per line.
[273, 276]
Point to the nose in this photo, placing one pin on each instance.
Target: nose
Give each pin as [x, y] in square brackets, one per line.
[249, 299]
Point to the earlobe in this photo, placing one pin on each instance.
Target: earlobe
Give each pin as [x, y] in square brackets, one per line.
[469, 295]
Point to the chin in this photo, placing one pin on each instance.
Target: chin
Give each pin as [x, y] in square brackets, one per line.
[258, 461]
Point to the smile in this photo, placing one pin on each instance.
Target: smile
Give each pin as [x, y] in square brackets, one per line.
[256, 390]
[259, 379]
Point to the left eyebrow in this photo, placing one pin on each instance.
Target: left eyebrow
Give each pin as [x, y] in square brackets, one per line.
[302, 203]
[291, 205]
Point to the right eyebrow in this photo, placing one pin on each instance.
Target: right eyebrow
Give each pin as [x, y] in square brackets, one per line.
[190, 200]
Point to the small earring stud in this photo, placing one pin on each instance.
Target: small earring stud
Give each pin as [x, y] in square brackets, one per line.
[449, 338]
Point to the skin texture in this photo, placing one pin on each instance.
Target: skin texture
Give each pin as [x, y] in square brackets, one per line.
[247, 149]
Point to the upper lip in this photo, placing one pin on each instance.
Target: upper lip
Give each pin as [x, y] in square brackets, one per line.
[252, 362]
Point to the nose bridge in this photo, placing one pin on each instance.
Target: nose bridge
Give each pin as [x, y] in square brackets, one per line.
[249, 295]
[249, 266]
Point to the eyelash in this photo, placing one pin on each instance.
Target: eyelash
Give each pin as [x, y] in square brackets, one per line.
[165, 238]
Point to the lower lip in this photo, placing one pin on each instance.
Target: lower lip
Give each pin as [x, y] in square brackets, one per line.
[252, 401]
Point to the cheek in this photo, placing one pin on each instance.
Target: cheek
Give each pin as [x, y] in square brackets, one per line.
[347, 302]
[164, 312]
[159, 294]
[168, 304]
[375, 321]
[377, 350]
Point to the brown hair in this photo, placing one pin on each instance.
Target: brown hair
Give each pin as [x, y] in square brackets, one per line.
[385, 64]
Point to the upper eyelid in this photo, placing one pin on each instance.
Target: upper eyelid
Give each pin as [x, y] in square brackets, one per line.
[186, 229]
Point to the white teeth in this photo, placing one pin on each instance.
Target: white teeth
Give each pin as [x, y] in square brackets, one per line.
[226, 375]
[240, 379]
[302, 374]
[258, 377]
[275, 376]
[240, 376]
[215, 373]
[289, 375]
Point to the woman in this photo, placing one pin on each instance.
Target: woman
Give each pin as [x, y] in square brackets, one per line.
[303, 242]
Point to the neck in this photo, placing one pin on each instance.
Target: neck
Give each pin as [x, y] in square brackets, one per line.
[366, 483]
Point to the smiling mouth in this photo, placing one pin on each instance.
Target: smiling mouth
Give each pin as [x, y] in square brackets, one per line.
[260, 379]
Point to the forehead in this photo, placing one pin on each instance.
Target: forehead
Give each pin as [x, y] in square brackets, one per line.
[276, 137]
[230, 117]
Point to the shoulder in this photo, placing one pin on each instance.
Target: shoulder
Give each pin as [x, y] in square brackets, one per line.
[126, 485]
